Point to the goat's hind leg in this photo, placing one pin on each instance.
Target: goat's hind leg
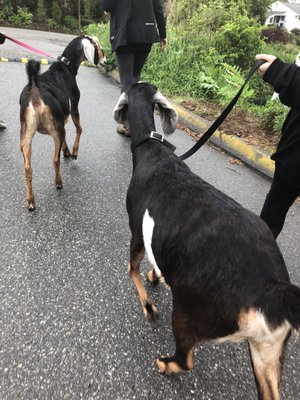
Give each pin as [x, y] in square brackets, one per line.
[27, 133]
[266, 358]
[137, 252]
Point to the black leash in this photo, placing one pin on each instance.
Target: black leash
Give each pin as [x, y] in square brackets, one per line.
[222, 116]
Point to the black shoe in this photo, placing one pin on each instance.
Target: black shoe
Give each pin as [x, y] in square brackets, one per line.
[2, 125]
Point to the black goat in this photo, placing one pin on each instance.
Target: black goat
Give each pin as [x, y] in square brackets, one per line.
[47, 101]
[227, 276]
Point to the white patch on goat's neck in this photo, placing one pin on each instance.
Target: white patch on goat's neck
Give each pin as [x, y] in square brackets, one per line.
[89, 50]
[148, 227]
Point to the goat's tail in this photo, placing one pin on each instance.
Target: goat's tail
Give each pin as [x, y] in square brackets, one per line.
[33, 71]
[282, 302]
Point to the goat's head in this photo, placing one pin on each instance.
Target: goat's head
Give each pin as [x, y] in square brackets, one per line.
[93, 52]
[143, 96]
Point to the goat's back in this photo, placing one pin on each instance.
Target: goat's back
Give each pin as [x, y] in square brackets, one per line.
[206, 244]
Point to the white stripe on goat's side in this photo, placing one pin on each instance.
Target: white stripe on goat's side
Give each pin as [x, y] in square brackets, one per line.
[148, 227]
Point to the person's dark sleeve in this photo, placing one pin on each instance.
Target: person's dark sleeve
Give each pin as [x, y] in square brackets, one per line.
[108, 5]
[160, 18]
[285, 79]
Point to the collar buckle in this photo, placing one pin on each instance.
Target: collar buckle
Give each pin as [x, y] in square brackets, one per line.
[64, 60]
[157, 136]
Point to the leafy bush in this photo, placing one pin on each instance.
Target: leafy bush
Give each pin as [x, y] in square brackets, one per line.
[21, 18]
[40, 14]
[6, 12]
[295, 36]
[275, 34]
[56, 12]
[52, 25]
[272, 115]
[239, 41]
[71, 23]
[233, 79]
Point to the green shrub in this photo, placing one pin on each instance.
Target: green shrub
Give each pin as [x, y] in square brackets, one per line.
[71, 23]
[6, 12]
[40, 15]
[56, 12]
[272, 115]
[239, 41]
[21, 18]
[52, 25]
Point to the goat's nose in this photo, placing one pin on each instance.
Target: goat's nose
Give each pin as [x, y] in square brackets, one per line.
[102, 62]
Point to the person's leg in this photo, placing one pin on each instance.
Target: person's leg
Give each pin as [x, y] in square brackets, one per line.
[140, 56]
[277, 203]
[125, 61]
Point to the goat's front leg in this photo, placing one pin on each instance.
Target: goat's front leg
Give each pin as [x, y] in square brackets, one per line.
[137, 252]
[184, 354]
[76, 121]
[26, 139]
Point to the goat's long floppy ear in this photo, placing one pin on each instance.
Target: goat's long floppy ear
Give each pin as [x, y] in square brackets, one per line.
[120, 110]
[168, 114]
[89, 50]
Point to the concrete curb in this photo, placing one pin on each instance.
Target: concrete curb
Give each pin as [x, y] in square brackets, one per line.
[232, 144]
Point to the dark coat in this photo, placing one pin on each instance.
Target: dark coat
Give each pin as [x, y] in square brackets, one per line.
[135, 21]
[285, 78]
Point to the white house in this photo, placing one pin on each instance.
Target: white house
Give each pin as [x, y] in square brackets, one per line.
[285, 14]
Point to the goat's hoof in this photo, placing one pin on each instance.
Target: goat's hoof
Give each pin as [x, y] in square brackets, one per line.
[150, 312]
[152, 277]
[30, 204]
[167, 365]
[67, 153]
[74, 156]
[31, 207]
[59, 185]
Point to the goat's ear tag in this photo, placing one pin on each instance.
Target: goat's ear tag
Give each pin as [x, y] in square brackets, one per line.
[119, 110]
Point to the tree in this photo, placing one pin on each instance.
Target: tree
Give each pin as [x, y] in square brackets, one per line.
[56, 12]
[258, 9]
[40, 15]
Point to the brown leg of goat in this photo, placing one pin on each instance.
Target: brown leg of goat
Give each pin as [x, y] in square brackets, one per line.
[65, 148]
[184, 354]
[25, 143]
[266, 364]
[137, 252]
[76, 121]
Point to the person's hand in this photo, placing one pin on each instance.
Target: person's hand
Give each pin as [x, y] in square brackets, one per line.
[163, 43]
[269, 58]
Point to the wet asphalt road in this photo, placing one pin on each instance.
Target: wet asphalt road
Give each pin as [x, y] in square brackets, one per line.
[71, 326]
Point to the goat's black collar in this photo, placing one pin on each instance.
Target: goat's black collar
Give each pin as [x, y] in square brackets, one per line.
[64, 60]
[155, 136]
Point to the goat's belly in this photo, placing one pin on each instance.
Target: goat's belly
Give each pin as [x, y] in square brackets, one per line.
[148, 227]
[253, 325]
